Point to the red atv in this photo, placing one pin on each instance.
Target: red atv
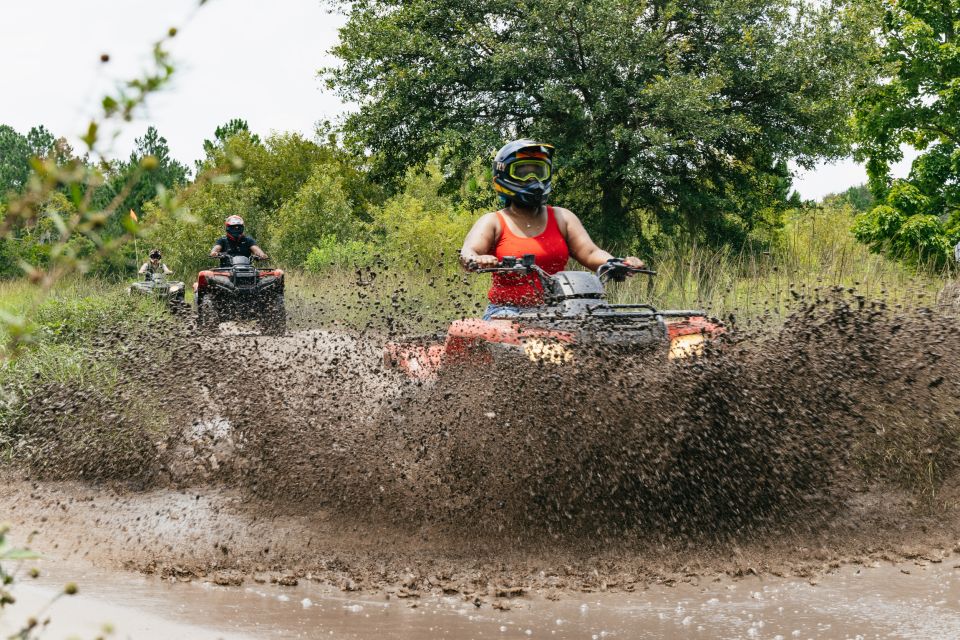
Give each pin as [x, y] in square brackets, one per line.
[236, 290]
[575, 315]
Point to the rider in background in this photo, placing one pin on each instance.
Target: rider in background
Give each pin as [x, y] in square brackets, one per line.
[522, 176]
[235, 243]
[153, 265]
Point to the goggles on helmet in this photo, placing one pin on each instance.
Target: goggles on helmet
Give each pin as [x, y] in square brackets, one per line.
[525, 170]
[235, 229]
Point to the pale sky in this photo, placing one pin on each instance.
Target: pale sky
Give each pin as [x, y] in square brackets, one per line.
[250, 59]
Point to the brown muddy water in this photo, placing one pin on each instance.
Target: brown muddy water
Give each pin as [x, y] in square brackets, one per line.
[621, 497]
[915, 600]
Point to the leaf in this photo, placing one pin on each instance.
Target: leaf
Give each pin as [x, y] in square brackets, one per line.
[90, 138]
[19, 554]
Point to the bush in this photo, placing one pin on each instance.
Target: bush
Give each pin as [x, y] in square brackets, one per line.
[320, 209]
[419, 226]
[331, 252]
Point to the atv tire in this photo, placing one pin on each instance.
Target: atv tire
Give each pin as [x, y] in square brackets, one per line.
[208, 320]
[178, 306]
[274, 320]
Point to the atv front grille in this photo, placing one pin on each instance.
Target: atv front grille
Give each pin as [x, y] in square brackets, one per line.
[244, 282]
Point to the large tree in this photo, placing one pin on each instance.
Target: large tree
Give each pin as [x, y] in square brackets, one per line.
[674, 109]
[16, 151]
[918, 103]
[149, 168]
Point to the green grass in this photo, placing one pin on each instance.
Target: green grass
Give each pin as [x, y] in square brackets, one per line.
[816, 251]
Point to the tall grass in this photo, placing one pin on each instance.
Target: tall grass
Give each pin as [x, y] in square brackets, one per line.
[815, 251]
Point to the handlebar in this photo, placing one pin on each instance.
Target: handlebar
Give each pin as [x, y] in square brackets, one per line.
[507, 264]
[223, 255]
[617, 270]
[613, 269]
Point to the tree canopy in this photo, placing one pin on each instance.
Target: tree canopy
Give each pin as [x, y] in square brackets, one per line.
[917, 219]
[683, 111]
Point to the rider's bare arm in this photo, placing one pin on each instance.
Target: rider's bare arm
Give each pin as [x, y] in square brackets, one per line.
[143, 269]
[581, 246]
[257, 251]
[479, 243]
[215, 252]
[167, 270]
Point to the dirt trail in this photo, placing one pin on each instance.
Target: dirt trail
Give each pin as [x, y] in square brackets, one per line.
[913, 600]
[225, 537]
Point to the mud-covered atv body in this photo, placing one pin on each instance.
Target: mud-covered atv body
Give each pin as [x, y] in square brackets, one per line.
[159, 286]
[237, 290]
[575, 318]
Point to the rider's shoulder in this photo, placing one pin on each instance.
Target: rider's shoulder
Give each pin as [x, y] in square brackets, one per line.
[564, 217]
[490, 219]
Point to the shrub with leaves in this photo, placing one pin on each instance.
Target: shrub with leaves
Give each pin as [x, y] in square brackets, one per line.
[917, 219]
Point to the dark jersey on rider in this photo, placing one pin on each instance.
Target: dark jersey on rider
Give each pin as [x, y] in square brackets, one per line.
[240, 248]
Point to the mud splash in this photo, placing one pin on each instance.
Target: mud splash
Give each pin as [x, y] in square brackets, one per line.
[840, 423]
[777, 428]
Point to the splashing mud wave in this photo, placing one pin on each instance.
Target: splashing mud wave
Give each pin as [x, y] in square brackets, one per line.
[781, 427]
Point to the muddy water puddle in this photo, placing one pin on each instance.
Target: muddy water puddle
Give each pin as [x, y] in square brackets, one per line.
[855, 602]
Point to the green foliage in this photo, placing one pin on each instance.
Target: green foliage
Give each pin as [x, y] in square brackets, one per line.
[681, 112]
[291, 192]
[319, 208]
[330, 252]
[226, 131]
[903, 228]
[14, 160]
[917, 104]
[859, 198]
[418, 226]
[149, 170]
[17, 151]
[815, 251]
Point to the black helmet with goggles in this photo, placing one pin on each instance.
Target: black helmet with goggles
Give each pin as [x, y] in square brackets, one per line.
[522, 173]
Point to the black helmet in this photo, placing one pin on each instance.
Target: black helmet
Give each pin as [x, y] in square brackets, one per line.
[234, 227]
[155, 254]
[522, 173]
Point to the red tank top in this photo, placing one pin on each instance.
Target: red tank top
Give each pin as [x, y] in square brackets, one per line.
[551, 254]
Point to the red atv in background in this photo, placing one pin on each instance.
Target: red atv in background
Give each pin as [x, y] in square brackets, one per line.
[575, 315]
[236, 290]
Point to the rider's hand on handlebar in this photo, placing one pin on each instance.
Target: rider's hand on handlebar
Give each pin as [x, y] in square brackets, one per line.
[483, 262]
[634, 262]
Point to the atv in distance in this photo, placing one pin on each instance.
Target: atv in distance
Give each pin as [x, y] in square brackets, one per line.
[575, 317]
[157, 285]
[236, 290]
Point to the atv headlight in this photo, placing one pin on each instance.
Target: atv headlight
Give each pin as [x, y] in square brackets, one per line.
[546, 351]
[691, 344]
[174, 288]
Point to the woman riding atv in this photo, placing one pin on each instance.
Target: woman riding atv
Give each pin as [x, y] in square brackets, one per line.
[522, 174]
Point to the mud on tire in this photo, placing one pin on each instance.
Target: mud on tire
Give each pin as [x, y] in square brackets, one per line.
[274, 319]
